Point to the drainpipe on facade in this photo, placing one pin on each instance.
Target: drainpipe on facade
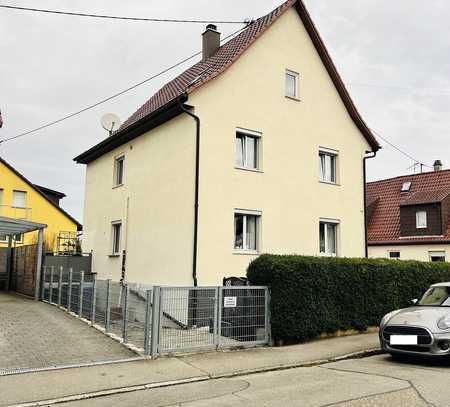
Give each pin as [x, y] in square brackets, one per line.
[366, 157]
[197, 177]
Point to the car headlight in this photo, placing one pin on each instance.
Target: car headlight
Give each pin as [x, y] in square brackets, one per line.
[387, 317]
[444, 322]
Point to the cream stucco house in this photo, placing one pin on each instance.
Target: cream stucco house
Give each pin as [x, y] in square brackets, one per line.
[256, 148]
[409, 216]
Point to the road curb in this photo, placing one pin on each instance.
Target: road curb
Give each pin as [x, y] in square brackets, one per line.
[197, 379]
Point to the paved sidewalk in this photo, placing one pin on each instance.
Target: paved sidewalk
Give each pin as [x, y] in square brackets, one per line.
[139, 375]
[36, 335]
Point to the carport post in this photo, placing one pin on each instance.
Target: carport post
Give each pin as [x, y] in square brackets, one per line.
[108, 306]
[50, 290]
[60, 285]
[38, 264]
[69, 294]
[80, 309]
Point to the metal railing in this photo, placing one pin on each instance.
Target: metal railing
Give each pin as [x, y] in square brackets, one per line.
[15, 212]
[154, 320]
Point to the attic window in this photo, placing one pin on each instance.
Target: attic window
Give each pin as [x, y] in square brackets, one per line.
[406, 186]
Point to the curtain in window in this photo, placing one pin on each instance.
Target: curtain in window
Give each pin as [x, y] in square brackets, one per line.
[327, 167]
[251, 232]
[331, 238]
[290, 85]
[239, 151]
[238, 231]
[251, 152]
[322, 237]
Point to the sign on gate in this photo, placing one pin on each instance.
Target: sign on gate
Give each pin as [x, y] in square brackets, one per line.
[230, 302]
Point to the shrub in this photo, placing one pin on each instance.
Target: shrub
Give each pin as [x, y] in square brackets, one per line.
[314, 295]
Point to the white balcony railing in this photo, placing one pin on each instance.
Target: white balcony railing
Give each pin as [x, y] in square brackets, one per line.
[10, 211]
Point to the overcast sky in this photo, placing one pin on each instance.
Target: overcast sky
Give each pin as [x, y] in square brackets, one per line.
[393, 55]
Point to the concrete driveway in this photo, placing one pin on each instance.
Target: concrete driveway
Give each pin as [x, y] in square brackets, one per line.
[376, 381]
[37, 335]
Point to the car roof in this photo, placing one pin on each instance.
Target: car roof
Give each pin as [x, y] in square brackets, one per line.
[447, 284]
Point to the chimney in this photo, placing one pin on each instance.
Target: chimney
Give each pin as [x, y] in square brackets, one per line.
[211, 41]
[437, 165]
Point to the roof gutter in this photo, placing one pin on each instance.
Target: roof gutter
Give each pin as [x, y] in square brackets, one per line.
[366, 237]
[181, 100]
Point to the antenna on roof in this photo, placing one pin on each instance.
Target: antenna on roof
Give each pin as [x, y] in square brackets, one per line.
[110, 122]
[415, 166]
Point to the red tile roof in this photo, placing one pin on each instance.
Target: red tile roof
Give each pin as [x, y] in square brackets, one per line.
[384, 224]
[204, 71]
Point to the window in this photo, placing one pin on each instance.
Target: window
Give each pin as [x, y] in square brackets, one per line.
[327, 166]
[247, 149]
[18, 238]
[328, 237]
[119, 164]
[437, 255]
[3, 238]
[246, 224]
[115, 238]
[19, 199]
[406, 186]
[291, 84]
[421, 220]
[394, 255]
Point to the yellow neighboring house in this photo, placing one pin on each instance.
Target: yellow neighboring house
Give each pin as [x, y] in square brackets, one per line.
[21, 199]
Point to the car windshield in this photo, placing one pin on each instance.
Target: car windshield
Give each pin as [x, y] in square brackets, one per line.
[437, 297]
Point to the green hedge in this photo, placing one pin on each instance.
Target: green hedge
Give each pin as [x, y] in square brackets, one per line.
[314, 295]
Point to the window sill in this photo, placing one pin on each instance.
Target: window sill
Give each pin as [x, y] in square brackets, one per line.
[117, 186]
[248, 169]
[296, 99]
[328, 254]
[330, 183]
[246, 252]
[113, 255]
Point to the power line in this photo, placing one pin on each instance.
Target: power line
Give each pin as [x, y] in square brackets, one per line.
[159, 20]
[399, 149]
[78, 112]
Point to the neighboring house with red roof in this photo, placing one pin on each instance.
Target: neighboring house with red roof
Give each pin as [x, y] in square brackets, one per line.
[256, 148]
[409, 216]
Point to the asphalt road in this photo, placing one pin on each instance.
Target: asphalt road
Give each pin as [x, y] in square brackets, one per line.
[374, 381]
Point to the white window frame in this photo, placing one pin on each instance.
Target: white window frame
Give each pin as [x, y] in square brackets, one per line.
[406, 186]
[245, 213]
[394, 251]
[421, 223]
[257, 136]
[25, 199]
[334, 154]
[117, 159]
[437, 253]
[115, 251]
[336, 223]
[295, 75]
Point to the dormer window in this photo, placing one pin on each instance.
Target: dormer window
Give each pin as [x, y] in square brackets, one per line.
[421, 220]
[406, 186]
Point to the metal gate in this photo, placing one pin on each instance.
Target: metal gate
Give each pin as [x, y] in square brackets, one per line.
[23, 269]
[156, 320]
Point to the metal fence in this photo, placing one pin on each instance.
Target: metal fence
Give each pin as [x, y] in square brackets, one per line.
[156, 320]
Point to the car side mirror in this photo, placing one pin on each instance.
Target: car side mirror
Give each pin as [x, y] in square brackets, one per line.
[415, 301]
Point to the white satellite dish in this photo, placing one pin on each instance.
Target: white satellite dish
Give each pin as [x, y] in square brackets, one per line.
[110, 122]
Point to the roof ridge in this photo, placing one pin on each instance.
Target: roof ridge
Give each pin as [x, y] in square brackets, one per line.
[406, 176]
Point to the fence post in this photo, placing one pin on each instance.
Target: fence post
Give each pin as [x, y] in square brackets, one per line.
[60, 285]
[50, 290]
[268, 335]
[156, 317]
[216, 318]
[108, 306]
[80, 309]
[219, 315]
[44, 275]
[94, 298]
[69, 293]
[148, 321]
[125, 314]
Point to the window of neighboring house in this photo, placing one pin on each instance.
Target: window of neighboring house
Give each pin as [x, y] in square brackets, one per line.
[246, 225]
[115, 237]
[291, 84]
[327, 166]
[394, 255]
[437, 255]
[328, 237]
[18, 238]
[19, 199]
[3, 238]
[119, 166]
[421, 220]
[247, 149]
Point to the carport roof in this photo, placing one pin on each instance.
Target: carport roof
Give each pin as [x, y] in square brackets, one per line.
[10, 226]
